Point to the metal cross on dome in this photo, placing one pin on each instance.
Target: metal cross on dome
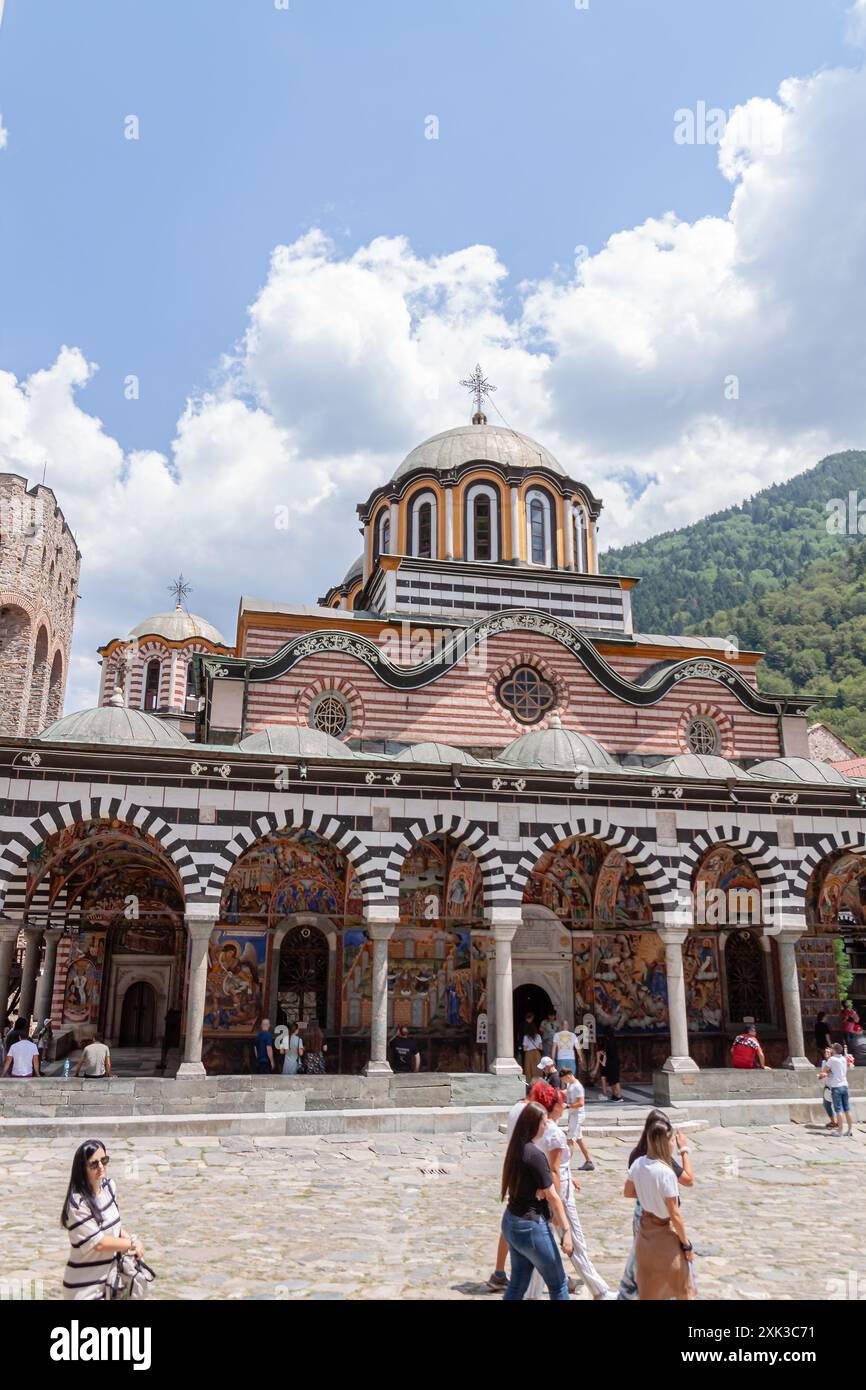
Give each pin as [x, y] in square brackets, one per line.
[480, 387]
[180, 589]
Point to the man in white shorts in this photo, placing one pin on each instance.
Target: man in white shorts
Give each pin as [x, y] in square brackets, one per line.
[576, 1097]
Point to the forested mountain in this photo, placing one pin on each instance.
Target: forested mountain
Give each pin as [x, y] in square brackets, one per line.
[775, 576]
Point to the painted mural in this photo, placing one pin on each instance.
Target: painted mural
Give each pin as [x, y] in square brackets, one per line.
[703, 981]
[437, 979]
[585, 884]
[84, 979]
[727, 891]
[621, 978]
[236, 973]
[142, 907]
[289, 872]
[77, 854]
[838, 893]
[423, 895]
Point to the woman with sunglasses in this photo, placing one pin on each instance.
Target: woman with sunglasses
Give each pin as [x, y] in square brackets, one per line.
[91, 1218]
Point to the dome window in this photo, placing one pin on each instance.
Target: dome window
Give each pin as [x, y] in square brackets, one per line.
[581, 558]
[423, 512]
[702, 736]
[151, 685]
[482, 522]
[331, 715]
[526, 695]
[538, 528]
[382, 544]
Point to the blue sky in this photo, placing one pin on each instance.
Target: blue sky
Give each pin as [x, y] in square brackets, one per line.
[258, 124]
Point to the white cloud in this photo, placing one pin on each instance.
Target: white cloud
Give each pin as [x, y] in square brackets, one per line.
[624, 367]
[857, 23]
[4, 133]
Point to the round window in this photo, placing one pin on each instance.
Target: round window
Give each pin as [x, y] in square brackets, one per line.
[702, 736]
[526, 694]
[331, 714]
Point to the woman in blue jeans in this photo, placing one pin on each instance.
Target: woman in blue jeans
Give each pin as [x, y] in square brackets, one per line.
[533, 1202]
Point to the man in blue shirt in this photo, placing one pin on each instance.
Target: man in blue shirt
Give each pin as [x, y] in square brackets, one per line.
[265, 1048]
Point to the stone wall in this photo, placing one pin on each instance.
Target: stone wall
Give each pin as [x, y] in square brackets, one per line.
[39, 568]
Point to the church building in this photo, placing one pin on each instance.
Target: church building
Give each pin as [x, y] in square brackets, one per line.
[459, 788]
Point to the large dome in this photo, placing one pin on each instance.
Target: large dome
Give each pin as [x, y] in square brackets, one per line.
[555, 747]
[178, 626]
[294, 741]
[488, 443]
[114, 724]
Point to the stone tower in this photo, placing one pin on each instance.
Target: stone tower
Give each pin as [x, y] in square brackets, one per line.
[39, 565]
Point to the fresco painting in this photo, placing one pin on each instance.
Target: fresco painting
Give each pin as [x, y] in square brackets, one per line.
[236, 972]
[839, 894]
[586, 884]
[437, 978]
[289, 872]
[84, 979]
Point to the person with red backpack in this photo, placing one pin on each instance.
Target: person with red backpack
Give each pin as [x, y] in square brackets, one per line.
[746, 1051]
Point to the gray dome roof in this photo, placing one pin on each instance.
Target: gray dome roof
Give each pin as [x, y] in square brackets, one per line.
[436, 753]
[690, 765]
[114, 724]
[798, 770]
[489, 443]
[355, 571]
[555, 747]
[178, 626]
[294, 741]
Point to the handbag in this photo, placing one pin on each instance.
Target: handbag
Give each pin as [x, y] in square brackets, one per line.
[128, 1278]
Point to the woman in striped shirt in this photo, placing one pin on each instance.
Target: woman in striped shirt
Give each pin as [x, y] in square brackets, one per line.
[91, 1218]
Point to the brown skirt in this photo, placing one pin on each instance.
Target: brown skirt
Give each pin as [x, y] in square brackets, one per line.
[530, 1065]
[662, 1268]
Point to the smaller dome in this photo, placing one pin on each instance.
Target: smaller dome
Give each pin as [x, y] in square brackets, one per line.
[437, 753]
[354, 572]
[294, 741]
[798, 770]
[114, 723]
[178, 626]
[555, 747]
[688, 765]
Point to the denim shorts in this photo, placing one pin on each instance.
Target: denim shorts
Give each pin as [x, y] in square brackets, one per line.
[841, 1100]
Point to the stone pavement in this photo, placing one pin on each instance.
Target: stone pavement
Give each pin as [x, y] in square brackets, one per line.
[775, 1213]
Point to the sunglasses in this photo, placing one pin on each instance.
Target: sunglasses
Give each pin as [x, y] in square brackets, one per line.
[99, 1162]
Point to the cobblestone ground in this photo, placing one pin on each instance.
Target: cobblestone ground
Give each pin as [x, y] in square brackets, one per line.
[775, 1213]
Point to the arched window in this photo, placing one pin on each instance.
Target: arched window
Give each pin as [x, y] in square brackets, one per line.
[482, 522]
[581, 551]
[424, 521]
[189, 701]
[539, 549]
[151, 684]
[382, 536]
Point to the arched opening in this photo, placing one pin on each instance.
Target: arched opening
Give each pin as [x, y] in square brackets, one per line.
[302, 985]
[529, 1000]
[55, 690]
[831, 956]
[423, 525]
[382, 535]
[38, 684]
[138, 1016]
[746, 978]
[482, 522]
[152, 673]
[539, 529]
[14, 666]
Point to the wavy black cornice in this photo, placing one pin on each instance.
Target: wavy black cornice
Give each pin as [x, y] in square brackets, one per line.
[647, 690]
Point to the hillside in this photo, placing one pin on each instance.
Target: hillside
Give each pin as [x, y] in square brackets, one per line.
[770, 573]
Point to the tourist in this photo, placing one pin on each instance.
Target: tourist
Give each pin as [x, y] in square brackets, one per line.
[746, 1052]
[170, 1036]
[44, 1039]
[682, 1166]
[499, 1279]
[95, 1059]
[547, 1072]
[405, 1053]
[836, 1072]
[663, 1250]
[566, 1049]
[19, 1029]
[22, 1055]
[576, 1098]
[264, 1045]
[547, 1030]
[554, 1145]
[827, 1094]
[91, 1218]
[850, 1019]
[822, 1034]
[532, 1049]
[293, 1051]
[607, 1066]
[315, 1047]
[533, 1202]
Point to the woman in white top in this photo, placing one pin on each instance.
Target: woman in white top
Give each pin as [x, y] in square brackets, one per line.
[663, 1250]
[91, 1218]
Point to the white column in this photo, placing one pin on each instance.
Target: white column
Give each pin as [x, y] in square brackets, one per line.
[394, 547]
[8, 940]
[199, 927]
[568, 509]
[790, 980]
[380, 922]
[515, 525]
[174, 702]
[673, 938]
[45, 986]
[504, 921]
[449, 525]
[30, 965]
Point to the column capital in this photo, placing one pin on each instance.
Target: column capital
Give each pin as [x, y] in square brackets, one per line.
[672, 936]
[380, 931]
[31, 931]
[789, 926]
[499, 917]
[199, 925]
[381, 914]
[9, 929]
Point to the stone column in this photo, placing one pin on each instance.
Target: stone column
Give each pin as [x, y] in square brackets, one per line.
[790, 980]
[29, 967]
[504, 921]
[515, 524]
[45, 986]
[8, 940]
[673, 938]
[380, 922]
[199, 926]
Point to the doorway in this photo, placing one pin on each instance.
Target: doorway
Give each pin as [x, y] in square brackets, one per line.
[302, 982]
[529, 999]
[138, 1016]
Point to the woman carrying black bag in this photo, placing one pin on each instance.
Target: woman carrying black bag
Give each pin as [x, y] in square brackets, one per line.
[92, 1220]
